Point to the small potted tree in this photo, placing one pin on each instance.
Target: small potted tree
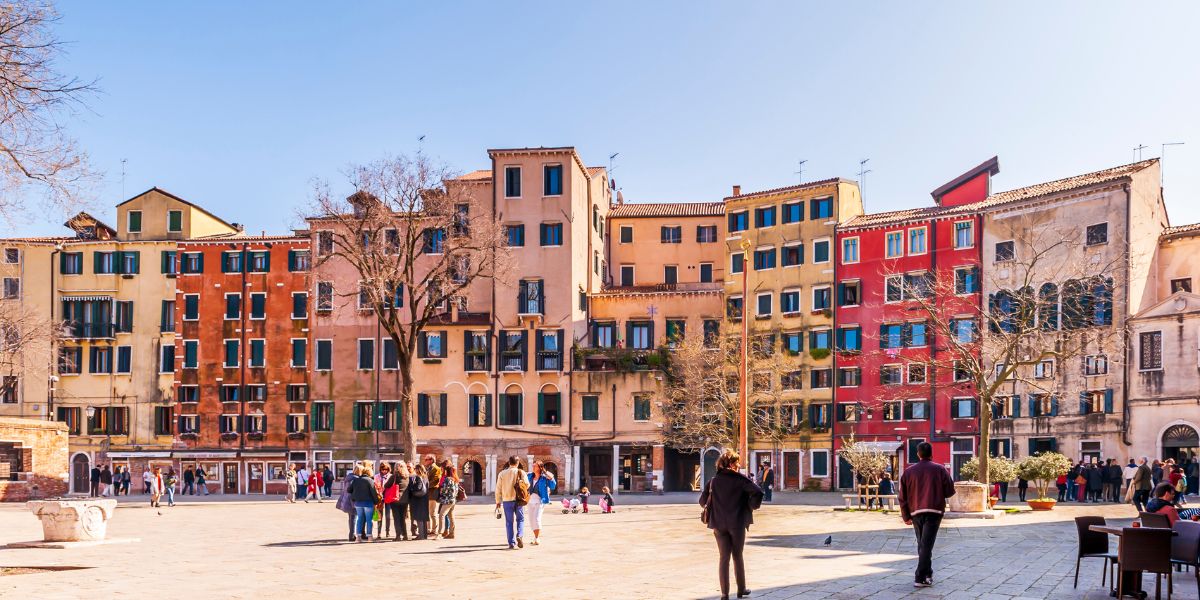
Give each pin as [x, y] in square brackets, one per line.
[1000, 468]
[869, 462]
[1043, 469]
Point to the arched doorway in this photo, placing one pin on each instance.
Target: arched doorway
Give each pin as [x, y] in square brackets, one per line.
[81, 471]
[710, 464]
[1182, 443]
[472, 478]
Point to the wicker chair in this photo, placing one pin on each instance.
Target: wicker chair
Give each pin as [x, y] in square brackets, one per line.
[1146, 549]
[1092, 544]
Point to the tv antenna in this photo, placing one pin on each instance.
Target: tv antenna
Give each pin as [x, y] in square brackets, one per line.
[611, 159]
[123, 161]
[800, 169]
[1137, 151]
[1162, 158]
[862, 176]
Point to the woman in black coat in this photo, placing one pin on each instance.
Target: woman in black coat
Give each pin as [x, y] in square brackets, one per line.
[729, 500]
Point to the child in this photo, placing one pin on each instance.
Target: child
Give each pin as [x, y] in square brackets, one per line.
[606, 502]
[583, 498]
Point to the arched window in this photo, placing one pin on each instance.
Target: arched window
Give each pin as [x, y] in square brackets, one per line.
[1048, 307]
[1101, 301]
[1076, 305]
[1003, 309]
[1027, 308]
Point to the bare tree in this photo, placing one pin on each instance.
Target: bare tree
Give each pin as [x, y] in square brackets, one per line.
[1051, 305]
[35, 152]
[701, 404]
[25, 336]
[418, 243]
[868, 462]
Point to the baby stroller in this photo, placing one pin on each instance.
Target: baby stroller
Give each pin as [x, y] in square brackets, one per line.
[570, 505]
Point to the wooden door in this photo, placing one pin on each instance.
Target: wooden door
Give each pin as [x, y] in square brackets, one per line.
[791, 470]
[81, 474]
[254, 482]
[229, 478]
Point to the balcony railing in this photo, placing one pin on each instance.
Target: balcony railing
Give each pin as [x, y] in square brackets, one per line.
[620, 360]
[663, 287]
[89, 330]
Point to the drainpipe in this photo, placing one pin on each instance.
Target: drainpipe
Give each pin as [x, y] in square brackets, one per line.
[244, 298]
[1125, 341]
[52, 369]
[835, 303]
[932, 377]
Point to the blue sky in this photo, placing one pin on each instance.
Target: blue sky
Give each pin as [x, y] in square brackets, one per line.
[238, 106]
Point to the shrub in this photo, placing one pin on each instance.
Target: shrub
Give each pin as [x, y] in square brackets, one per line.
[1042, 469]
[1000, 468]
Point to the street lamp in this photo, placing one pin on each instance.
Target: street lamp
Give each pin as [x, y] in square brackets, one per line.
[743, 417]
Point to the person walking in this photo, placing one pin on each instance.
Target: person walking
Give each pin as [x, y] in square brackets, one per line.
[1142, 484]
[290, 477]
[1156, 472]
[157, 487]
[364, 496]
[189, 481]
[172, 481]
[1127, 474]
[125, 480]
[106, 480]
[1095, 482]
[302, 475]
[1023, 488]
[418, 505]
[381, 478]
[447, 499]
[95, 481]
[434, 475]
[327, 477]
[1072, 482]
[315, 485]
[541, 483]
[729, 502]
[767, 481]
[924, 488]
[511, 496]
[146, 477]
[200, 483]
[344, 502]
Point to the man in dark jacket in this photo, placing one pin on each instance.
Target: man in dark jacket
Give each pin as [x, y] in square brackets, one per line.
[767, 482]
[95, 480]
[1113, 477]
[327, 476]
[1095, 482]
[1142, 484]
[189, 481]
[922, 495]
[1072, 490]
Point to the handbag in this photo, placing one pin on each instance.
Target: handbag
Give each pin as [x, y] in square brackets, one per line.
[707, 505]
[461, 496]
[391, 494]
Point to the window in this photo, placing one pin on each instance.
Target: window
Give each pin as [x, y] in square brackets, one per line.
[552, 180]
[627, 275]
[1043, 370]
[549, 350]
[324, 296]
[100, 360]
[821, 378]
[324, 355]
[819, 339]
[818, 416]
[479, 410]
[916, 373]
[231, 262]
[1096, 402]
[390, 358]
[789, 302]
[822, 298]
[764, 216]
[12, 288]
[849, 376]
[170, 262]
[551, 234]
[603, 335]
[793, 342]
[739, 221]
[363, 416]
[1005, 251]
[821, 208]
[670, 274]
[591, 407]
[1181, 285]
[965, 331]
[964, 234]
[431, 344]
[733, 307]
[511, 406]
[512, 351]
[549, 408]
[189, 393]
[793, 212]
[706, 234]
[676, 331]
[821, 251]
[891, 375]
[847, 413]
[671, 235]
[892, 411]
[191, 307]
[820, 463]
[166, 358]
[135, 221]
[792, 380]
[71, 263]
[515, 234]
[1006, 407]
[966, 280]
[191, 352]
[123, 316]
[174, 221]
[230, 393]
[712, 329]
[193, 262]
[764, 259]
[916, 240]
[512, 182]
[640, 334]
[916, 410]
[12, 256]
[256, 393]
[10, 390]
[915, 335]
[891, 336]
[433, 241]
[166, 318]
[641, 407]
[1097, 234]
[706, 272]
[737, 262]
[259, 262]
[322, 419]
[111, 420]
[71, 416]
[258, 305]
[764, 305]
[894, 244]
[297, 423]
[793, 254]
[1096, 364]
[626, 234]
[962, 371]
[849, 339]
[963, 408]
[893, 288]
[232, 353]
[849, 293]
[324, 243]
[530, 300]
[297, 392]
[849, 250]
[233, 306]
[1150, 353]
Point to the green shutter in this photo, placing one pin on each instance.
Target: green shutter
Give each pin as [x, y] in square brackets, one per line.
[503, 409]
[541, 415]
[1016, 406]
[200, 263]
[163, 260]
[1083, 403]
[378, 416]
[422, 409]
[1054, 406]
[291, 260]
[137, 261]
[442, 400]
[96, 261]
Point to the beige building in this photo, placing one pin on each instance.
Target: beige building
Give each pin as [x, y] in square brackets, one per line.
[780, 273]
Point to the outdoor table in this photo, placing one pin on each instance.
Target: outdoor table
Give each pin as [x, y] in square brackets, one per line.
[1133, 579]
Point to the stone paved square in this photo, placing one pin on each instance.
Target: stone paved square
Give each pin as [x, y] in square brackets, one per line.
[653, 547]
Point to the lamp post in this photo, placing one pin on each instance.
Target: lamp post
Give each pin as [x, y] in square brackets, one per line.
[743, 417]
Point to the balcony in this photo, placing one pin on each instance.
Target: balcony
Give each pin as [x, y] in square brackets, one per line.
[88, 330]
[658, 288]
[620, 360]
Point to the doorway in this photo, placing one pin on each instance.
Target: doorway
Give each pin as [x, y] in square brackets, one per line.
[229, 478]
[681, 472]
[254, 471]
[472, 478]
[81, 472]
[791, 470]
[710, 464]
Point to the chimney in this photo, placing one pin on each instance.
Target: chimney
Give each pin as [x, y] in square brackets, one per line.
[737, 190]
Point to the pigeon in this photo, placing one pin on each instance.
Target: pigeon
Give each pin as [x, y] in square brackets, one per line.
[828, 540]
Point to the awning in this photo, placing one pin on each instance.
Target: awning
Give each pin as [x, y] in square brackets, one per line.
[138, 455]
[87, 298]
[264, 454]
[204, 454]
[884, 447]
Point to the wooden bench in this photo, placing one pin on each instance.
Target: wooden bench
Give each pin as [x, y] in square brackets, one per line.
[889, 498]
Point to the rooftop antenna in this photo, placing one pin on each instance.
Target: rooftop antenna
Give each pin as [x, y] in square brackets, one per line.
[800, 169]
[611, 158]
[1162, 155]
[123, 161]
[1137, 152]
[862, 176]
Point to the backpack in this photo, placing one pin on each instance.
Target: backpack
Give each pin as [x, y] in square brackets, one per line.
[418, 488]
[521, 487]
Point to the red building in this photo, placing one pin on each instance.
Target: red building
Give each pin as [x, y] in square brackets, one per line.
[241, 359]
[888, 392]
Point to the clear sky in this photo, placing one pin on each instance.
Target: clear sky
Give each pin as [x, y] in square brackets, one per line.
[238, 106]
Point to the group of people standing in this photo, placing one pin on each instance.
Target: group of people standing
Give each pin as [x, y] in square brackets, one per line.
[409, 500]
[1112, 482]
[106, 482]
[306, 485]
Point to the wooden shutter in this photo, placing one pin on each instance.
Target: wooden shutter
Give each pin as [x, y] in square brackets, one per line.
[562, 353]
[1054, 406]
[1016, 406]
[503, 409]
[1083, 403]
[442, 401]
[466, 349]
[524, 350]
[541, 411]
[1108, 401]
[445, 350]
[422, 347]
[1032, 405]
[422, 409]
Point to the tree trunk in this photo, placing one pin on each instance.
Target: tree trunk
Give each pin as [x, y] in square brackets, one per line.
[407, 423]
[985, 421]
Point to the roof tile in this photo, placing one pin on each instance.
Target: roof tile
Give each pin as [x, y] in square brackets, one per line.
[668, 209]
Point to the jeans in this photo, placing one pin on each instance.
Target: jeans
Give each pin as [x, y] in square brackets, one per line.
[767, 493]
[1062, 493]
[926, 527]
[328, 492]
[363, 511]
[203, 487]
[170, 495]
[514, 514]
[1140, 498]
[189, 487]
[1003, 491]
[1071, 489]
[730, 544]
[1021, 492]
